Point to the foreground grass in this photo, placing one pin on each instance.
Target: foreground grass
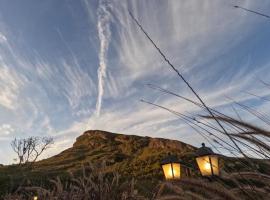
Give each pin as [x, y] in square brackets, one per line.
[96, 183]
[241, 178]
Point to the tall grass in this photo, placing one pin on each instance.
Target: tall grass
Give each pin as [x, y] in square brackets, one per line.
[237, 137]
[92, 183]
[241, 139]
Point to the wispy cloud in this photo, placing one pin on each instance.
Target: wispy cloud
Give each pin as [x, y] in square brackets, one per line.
[104, 34]
[195, 49]
[55, 83]
[11, 84]
[6, 129]
[3, 38]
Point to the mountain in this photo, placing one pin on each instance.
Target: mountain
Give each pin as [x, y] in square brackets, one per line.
[129, 155]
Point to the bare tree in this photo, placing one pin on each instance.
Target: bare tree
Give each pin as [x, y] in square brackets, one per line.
[29, 149]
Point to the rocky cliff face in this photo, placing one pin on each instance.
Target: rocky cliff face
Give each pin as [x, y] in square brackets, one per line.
[97, 139]
[123, 153]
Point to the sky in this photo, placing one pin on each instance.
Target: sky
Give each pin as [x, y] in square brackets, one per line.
[70, 66]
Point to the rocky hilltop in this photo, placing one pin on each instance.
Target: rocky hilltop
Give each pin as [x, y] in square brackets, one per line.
[129, 155]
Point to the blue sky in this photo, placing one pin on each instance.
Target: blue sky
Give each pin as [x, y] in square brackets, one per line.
[69, 66]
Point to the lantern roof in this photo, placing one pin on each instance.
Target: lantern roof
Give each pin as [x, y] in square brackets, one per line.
[204, 151]
[170, 159]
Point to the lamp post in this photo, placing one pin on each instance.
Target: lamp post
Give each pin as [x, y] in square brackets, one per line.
[171, 167]
[207, 161]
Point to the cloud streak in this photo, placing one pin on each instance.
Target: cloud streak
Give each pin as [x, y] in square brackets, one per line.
[104, 34]
[49, 83]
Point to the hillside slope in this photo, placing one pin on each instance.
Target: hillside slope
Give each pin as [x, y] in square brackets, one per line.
[130, 155]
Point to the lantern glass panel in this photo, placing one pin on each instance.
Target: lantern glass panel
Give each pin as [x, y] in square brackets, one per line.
[171, 170]
[205, 165]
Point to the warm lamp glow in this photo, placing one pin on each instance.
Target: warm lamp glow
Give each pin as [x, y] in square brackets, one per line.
[208, 165]
[35, 198]
[207, 161]
[171, 167]
[171, 171]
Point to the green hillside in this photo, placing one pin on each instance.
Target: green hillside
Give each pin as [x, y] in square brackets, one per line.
[129, 155]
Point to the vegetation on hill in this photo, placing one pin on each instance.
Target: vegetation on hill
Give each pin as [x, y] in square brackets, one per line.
[125, 154]
[128, 155]
[117, 166]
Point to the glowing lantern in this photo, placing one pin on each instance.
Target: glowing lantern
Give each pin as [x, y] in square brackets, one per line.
[207, 161]
[171, 168]
[35, 198]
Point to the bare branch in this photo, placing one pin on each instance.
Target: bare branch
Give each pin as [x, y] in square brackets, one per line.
[29, 149]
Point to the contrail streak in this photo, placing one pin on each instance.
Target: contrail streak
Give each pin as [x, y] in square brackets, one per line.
[104, 34]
